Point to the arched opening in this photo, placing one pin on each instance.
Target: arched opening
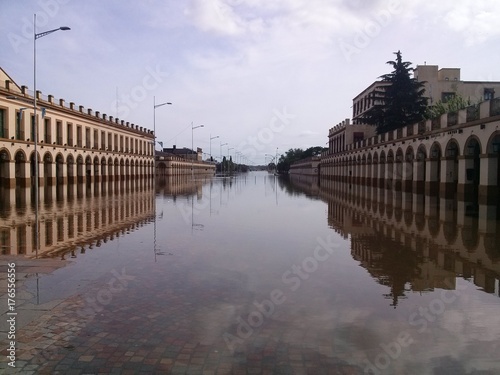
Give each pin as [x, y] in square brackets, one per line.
[79, 169]
[493, 161]
[408, 170]
[33, 168]
[96, 174]
[59, 169]
[450, 183]
[47, 169]
[103, 169]
[472, 151]
[375, 170]
[398, 173]
[382, 170]
[432, 186]
[88, 170]
[420, 172]
[4, 168]
[70, 169]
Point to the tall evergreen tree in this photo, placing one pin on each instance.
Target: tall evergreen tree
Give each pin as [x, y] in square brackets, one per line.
[399, 101]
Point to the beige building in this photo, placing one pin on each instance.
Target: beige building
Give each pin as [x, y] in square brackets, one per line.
[73, 143]
[345, 133]
[440, 85]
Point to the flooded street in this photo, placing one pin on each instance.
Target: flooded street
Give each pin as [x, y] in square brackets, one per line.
[252, 274]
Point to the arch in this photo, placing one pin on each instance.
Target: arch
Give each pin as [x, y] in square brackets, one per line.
[80, 174]
[435, 155]
[47, 168]
[59, 168]
[70, 169]
[5, 167]
[420, 169]
[472, 152]
[33, 166]
[449, 184]
[398, 172]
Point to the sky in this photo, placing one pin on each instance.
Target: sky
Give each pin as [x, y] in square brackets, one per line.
[264, 76]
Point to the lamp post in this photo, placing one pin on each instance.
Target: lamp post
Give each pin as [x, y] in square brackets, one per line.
[154, 119]
[192, 147]
[35, 121]
[154, 135]
[211, 145]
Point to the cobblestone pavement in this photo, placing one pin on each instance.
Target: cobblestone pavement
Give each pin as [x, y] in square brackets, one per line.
[161, 321]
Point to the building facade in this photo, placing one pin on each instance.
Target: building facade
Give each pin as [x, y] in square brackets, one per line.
[457, 155]
[440, 85]
[74, 144]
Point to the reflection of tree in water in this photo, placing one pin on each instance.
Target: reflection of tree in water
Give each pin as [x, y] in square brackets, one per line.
[391, 263]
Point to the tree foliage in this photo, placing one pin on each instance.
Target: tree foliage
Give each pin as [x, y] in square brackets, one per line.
[399, 101]
[456, 103]
[296, 154]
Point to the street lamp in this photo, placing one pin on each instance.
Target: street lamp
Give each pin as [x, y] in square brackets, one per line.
[154, 121]
[35, 121]
[211, 145]
[192, 147]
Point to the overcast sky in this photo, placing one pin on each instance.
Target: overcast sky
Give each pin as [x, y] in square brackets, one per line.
[260, 74]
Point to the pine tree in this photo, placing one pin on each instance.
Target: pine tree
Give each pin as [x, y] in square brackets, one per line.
[400, 99]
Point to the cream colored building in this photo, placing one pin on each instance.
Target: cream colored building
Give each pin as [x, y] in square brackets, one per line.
[440, 85]
[74, 143]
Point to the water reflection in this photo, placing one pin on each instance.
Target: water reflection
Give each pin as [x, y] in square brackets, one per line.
[411, 242]
[225, 247]
[72, 217]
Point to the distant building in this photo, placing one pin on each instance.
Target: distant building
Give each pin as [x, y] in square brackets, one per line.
[440, 85]
[345, 133]
[185, 153]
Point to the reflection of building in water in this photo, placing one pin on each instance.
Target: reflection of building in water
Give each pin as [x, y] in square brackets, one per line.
[415, 242]
[180, 185]
[307, 183]
[72, 216]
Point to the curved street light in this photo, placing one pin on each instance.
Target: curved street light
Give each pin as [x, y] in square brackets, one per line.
[192, 147]
[211, 145]
[35, 121]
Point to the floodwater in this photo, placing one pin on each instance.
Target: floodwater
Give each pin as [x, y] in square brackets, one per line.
[255, 274]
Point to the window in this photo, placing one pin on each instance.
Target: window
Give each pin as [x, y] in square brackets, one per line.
[87, 137]
[33, 127]
[446, 96]
[103, 140]
[19, 127]
[3, 125]
[96, 139]
[115, 143]
[110, 141]
[79, 136]
[121, 142]
[47, 133]
[489, 94]
[70, 135]
[59, 136]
